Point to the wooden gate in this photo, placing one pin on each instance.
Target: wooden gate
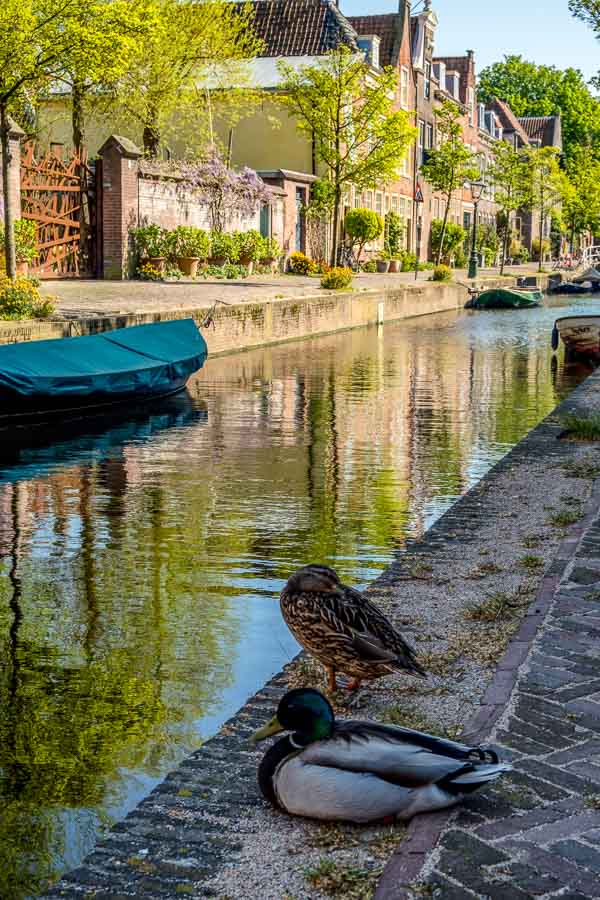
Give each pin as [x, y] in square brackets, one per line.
[58, 195]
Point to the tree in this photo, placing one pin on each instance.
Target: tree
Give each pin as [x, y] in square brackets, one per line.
[362, 226]
[532, 90]
[347, 110]
[115, 30]
[581, 196]
[546, 187]
[588, 11]
[195, 50]
[509, 174]
[34, 36]
[451, 164]
[454, 236]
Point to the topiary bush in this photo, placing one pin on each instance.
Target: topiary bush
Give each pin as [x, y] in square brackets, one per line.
[300, 264]
[337, 279]
[21, 299]
[454, 238]
[362, 226]
[442, 273]
[394, 230]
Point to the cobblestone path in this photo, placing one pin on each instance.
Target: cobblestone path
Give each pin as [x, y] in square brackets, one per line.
[537, 834]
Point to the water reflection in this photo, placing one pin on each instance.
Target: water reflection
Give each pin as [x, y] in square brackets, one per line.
[140, 559]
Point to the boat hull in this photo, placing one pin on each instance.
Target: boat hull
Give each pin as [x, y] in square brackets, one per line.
[580, 335]
[85, 375]
[506, 298]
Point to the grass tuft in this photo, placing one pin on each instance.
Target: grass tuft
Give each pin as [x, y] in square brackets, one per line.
[531, 562]
[410, 716]
[497, 606]
[582, 428]
[564, 517]
[587, 467]
[337, 880]
[532, 541]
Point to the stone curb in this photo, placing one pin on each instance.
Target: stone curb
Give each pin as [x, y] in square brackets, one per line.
[424, 831]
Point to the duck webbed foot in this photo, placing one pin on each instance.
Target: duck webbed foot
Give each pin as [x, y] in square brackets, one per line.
[331, 679]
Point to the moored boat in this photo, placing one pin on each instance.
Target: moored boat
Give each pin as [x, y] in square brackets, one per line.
[42, 380]
[506, 298]
[579, 334]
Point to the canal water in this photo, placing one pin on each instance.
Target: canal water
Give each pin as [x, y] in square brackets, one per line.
[141, 557]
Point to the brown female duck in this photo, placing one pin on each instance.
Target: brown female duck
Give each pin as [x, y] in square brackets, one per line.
[342, 629]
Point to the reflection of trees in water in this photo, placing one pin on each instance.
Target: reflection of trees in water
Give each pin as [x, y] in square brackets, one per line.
[110, 656]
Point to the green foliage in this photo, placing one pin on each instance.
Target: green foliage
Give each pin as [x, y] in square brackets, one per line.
[370, 266]
[21, 299]
[187, 240]
[451, 164]
[532, 90]
[581, 193]
[442, 273]
[148, 272]
[300, 264]
[271, 249]
[322, 199]
[229, 271]
[365, 145]
[190, 46]
[394, 229]
[535, 248]
[362, 226]
[460, 259]
[251, 245]
[25, 233]
[150, 241]
[584, 428]
[337, 279]
[223, 246]
[454, 238]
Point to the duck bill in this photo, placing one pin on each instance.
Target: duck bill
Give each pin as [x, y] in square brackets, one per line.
[272, 727]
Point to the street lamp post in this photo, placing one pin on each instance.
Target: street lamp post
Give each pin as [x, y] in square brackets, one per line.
[477, 189]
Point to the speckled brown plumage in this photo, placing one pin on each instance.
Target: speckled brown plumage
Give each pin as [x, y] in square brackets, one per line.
[342, 629]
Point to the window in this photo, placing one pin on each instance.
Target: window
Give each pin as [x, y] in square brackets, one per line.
[429, 136]
[379, 204]
[394, 203]
[471, 104]
[427, 80]
[358, 200]
[404, 87]
[421, 140]
[368, 200]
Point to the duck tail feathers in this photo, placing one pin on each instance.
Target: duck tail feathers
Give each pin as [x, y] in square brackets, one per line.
[472, 777]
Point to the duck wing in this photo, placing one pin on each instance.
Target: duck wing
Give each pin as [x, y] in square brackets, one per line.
[398, 755]
[370, 633]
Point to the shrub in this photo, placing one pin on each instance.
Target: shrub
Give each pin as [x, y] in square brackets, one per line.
[409, 261]
[337, 279]
[25, 232]
[535, 248]
[150, 241]
[460, 259]
[394, 230]
[370, 266]
[21, 299]
[148, 272]
[271, 249]
[223, 246]
[230, 271]
[187, 240]
[454, 238]
[251, 245]
[362, 226]
[300, 264]
[442, 273]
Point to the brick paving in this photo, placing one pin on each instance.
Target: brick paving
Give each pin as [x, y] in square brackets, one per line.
[536, 834]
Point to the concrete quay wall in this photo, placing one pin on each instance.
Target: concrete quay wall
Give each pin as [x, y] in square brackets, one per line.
[246, 325]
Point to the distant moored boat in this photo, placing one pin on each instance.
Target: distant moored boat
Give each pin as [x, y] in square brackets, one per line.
[506, 298]
[579, 334]
[82, 375]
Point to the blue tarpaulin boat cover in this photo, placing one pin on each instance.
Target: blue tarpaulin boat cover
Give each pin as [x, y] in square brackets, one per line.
[117, 362]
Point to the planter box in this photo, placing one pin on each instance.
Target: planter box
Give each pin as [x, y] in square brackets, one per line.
[188, 265]
[383, 266]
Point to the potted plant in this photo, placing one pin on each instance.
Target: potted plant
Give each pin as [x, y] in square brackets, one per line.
[223, 248]
[271, 251]
[251, 247]
[383, 262]
[25, 244]
[393, 235]
[151, 244]
[189, 246]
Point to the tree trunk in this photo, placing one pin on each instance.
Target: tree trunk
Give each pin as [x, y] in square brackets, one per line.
[541, 239]
[78, 116]
[151, 137]
[9, 233]
[336, 226]
[505, 242]
[443, 234]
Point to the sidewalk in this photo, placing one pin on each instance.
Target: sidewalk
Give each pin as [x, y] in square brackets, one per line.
[85, 298]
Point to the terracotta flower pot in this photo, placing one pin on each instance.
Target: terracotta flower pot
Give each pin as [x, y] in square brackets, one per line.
[394, 265]
[217, 260]
[159, 262]
[188, 265]
[22, 267]
[383, 266]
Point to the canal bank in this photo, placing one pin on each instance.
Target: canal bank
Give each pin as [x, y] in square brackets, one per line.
[205, 831]
[244, 315]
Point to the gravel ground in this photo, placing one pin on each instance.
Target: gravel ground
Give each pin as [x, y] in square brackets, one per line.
[458, 597]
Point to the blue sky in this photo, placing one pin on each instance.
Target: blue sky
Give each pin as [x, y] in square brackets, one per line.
[541, 30]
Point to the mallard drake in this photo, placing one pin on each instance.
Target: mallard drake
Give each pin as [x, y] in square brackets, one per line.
[342, 629]
[362, 771]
